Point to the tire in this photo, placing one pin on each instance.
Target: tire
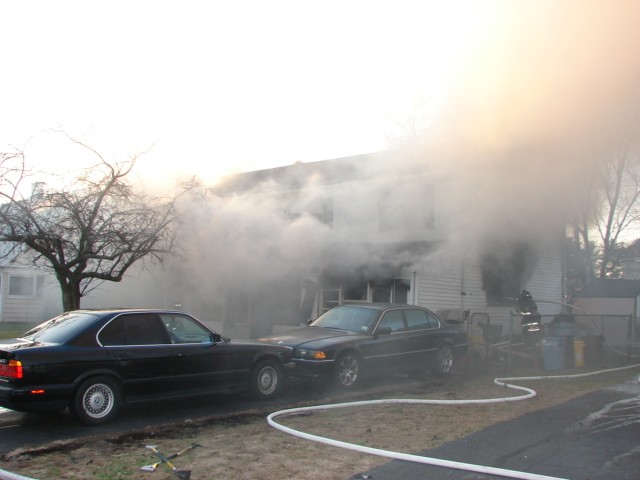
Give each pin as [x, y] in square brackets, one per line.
[96, 401]
[348, 370]
[266, 380]
[443, 363]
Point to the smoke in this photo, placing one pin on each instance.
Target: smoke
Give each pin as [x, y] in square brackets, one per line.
[544, 87]
[546, 91]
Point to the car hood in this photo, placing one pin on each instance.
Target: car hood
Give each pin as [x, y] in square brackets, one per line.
[306, 335]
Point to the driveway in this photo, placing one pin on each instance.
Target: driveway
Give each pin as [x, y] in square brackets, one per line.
[594, 437]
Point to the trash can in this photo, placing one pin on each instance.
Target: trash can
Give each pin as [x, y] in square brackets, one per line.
[578, 353]
[564, 329]
[569, 356]
[593, 345]
[553, 353]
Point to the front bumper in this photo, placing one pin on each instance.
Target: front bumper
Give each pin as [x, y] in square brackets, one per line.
[311, 368]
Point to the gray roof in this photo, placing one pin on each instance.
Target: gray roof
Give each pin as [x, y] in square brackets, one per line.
[611, 289]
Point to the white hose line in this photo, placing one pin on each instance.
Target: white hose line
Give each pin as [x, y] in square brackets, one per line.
[4, 475]
[430, 460]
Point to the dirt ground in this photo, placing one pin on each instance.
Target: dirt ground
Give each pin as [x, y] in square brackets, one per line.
[246, 447]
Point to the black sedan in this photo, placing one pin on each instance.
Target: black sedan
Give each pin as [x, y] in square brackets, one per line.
[351, 341]
[95, 361]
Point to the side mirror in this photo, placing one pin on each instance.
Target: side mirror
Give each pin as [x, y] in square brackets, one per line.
[383, 331]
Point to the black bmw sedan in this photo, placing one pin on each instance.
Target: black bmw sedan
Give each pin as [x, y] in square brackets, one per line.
[95, 361]
[351, 341]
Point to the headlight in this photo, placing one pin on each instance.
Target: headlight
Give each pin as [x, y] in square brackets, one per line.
[309, 354]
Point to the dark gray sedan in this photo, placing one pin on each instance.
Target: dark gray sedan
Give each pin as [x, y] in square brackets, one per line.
[351, 341]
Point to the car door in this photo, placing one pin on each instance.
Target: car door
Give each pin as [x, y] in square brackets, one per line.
[387, 348]
[140, 352]
[203, 361]
[423, 336]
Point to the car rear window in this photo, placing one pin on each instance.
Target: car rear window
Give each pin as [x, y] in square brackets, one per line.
[61, 329]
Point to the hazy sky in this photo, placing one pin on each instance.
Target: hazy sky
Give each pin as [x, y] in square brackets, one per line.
[223, 86]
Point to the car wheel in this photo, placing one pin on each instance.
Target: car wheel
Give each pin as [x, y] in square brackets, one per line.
[347, 370]
[96, 401]
[266, 380]
[443, 362]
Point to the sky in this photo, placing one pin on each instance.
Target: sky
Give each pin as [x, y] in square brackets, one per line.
[211, 88]
[216, 87]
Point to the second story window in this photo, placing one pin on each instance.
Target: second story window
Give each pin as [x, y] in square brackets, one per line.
[407, 207]
[319, 208]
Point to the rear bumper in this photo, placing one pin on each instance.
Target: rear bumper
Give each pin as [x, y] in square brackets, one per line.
[35, 398]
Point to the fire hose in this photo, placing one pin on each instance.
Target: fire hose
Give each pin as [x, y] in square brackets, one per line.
[529, 393]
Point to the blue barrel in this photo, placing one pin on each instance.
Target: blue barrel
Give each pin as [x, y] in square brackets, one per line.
[553, 353]
[564, 329]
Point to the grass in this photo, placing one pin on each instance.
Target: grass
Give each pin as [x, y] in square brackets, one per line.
[13, 329]
[249, 449]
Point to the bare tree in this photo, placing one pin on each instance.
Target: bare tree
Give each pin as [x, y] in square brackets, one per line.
[92, 232]
[608, 210]
[620, 210]
[12, 172]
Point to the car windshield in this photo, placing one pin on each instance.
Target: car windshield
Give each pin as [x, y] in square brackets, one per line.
[60, 329]
[352, 319]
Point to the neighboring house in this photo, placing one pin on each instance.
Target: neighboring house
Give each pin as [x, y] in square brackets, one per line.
[390, 234]
[22, 294]
[610, 308]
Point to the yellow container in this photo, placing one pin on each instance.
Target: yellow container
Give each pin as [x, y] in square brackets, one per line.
[578, 353]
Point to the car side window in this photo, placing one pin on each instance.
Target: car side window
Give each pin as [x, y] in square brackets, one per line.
[392, 319]
[113, 334]
[135, 329]
[184, 329]
[420, 320]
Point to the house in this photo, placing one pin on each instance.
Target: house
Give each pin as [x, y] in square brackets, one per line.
[377, 228]
[23, 294]
[275, 248]
[609, 307]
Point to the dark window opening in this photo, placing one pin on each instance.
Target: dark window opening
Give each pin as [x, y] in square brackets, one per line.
[381, 290]
[505, 271]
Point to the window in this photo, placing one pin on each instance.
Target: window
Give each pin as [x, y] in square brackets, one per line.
[505, 268]
[136, 329]
[22, 286]
[183, 329]
[320, 208]
[407, 207]
[392, 320]
[420, 320]
[337, 291]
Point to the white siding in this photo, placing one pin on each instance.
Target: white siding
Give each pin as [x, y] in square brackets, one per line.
[355, 210]
[23, 309]
[441, 284]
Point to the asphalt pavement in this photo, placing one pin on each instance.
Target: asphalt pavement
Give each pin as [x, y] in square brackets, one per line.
[593, 437]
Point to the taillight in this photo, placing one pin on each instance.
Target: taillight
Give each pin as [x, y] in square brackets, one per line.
[12, 369]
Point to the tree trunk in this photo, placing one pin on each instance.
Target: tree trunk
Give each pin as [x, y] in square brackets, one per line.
[70, 296]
